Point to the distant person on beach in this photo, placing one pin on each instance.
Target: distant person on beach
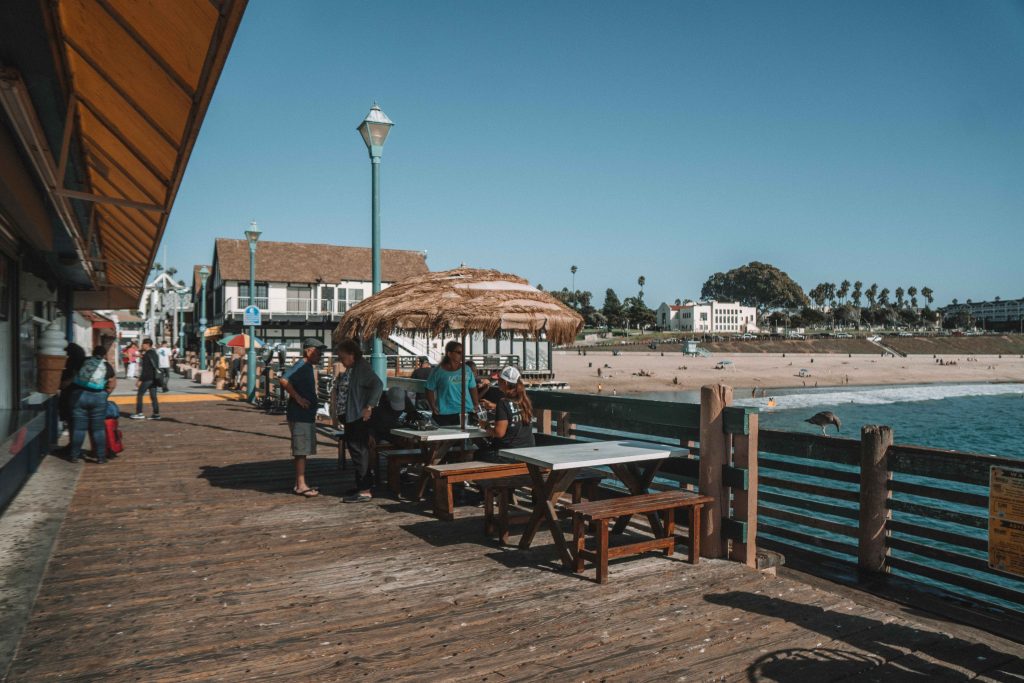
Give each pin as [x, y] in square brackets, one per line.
[446, 389]
[149, 380]
[91, 388]
[300, 383]
[358, 393]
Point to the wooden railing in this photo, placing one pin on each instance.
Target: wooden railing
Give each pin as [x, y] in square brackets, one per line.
[880, 509]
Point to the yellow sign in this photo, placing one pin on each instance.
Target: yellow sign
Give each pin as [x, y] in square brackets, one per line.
[1006, 520]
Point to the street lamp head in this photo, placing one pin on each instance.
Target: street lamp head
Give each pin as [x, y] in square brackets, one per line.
[253, 233]
[374, 129]
[204, 273]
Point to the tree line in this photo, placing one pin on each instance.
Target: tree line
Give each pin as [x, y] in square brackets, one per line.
[778, 298]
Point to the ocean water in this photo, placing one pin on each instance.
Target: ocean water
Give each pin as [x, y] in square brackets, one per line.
[977, 418]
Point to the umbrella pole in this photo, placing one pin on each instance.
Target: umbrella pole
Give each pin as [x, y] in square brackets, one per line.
[462, 413]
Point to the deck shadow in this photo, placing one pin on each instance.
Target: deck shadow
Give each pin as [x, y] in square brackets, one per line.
[883, 651]
[276, 476]
[227, 429]
[459, 531]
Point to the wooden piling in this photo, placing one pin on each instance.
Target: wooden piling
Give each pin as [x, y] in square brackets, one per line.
[875, 441]
[713, 456]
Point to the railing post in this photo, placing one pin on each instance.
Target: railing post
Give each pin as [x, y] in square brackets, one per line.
[745, 503]
[564, 428]
[713, 455]
[875, 441]
[544, 421]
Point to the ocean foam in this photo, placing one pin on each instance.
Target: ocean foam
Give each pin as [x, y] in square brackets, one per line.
[878, 395]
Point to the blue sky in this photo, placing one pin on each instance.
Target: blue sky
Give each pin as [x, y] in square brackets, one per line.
[879, 141]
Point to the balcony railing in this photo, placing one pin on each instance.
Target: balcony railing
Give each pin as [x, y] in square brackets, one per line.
[288, 306]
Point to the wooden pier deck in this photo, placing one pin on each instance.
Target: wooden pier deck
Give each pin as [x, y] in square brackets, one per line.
[187, 559]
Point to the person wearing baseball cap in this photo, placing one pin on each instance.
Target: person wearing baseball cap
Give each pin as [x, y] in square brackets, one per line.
[300, 384]
[513, 414]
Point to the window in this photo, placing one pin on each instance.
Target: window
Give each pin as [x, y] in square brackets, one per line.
[354, 296]
[300, 298]
[326, 299]
[261, 295]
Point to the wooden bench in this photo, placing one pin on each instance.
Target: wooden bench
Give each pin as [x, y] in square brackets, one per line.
[446, 475]
[397, 459]
[499, 496]
[598, 513]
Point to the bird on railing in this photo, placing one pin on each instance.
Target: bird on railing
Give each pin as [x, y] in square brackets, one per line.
[825, 418]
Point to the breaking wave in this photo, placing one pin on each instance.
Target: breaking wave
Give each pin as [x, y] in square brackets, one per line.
[876, 395]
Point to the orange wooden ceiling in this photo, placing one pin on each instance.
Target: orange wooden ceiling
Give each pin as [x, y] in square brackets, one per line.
[141, 73]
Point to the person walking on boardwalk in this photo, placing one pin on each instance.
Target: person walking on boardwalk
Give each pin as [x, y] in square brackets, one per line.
[149, 380]
[164, 354]
[357, 391]
[91, 387]
[445, 391]
[131, 360]
[299, 382]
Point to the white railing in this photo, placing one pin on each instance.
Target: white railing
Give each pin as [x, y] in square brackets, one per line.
[288, 306]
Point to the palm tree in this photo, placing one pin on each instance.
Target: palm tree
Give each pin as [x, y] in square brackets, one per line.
[844, 289]
[899, 297]
[857, 287]
[641, 281]
[573, 269]
[871, 293]
[883, 297]
[928, 294]
[912, 293]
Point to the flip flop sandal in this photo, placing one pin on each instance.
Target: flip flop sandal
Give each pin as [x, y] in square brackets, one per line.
[310, 492]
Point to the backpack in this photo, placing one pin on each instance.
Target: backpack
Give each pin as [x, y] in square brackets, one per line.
[93, 375]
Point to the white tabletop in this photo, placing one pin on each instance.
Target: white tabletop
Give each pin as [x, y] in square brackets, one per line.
[592, 454]
[441, 434]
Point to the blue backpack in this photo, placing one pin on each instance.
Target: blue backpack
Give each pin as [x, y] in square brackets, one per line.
[93, 375]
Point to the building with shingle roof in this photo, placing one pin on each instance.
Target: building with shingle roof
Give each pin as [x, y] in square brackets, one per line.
[302, 289]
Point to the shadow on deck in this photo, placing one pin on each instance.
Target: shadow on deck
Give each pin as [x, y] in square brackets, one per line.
[188, 559]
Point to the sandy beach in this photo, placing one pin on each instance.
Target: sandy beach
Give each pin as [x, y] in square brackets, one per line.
[620, 374]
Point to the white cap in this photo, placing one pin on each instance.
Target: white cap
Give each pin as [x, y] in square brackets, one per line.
[510, 374]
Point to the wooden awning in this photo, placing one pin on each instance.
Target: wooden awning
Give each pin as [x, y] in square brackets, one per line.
[140, 76]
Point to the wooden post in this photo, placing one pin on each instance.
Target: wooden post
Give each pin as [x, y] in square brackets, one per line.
[564, 428]
[875, 441]
[544, 421]
[713, 400]
[745, 503]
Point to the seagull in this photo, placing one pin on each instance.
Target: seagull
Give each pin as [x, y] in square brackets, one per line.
[825, 418]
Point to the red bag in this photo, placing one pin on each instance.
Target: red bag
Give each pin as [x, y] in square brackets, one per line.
[114, 443]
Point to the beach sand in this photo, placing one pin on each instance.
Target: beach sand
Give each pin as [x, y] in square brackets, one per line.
[770, 370]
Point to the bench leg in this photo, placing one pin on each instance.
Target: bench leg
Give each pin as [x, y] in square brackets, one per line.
[503, 523]
[579, 529]
[394, 476]
[444, 501]
[670, 530]
[602, 551]
[694, 544]
[489, 511]
[577, 492]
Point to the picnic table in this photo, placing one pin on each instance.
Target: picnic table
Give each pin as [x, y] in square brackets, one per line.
[434, 445]
[553, 469]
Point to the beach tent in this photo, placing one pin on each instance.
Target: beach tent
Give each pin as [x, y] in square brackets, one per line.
[459, 302]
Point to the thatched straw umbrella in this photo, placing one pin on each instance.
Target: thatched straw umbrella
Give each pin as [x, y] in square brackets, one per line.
[460, 302]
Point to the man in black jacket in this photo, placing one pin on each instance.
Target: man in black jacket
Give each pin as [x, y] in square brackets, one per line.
[148, 381]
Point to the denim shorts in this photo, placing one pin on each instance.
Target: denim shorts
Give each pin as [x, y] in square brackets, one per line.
[303, 438]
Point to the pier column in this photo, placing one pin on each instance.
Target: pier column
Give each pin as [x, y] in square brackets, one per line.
[713, 456]
[875, 441]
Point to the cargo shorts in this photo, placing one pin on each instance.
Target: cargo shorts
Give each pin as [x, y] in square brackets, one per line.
[303, 438]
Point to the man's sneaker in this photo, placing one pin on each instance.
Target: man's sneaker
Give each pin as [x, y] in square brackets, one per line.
[154, 417]
[137, 416]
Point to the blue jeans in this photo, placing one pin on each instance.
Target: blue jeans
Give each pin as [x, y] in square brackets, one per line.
[88, 414]
[147, 385]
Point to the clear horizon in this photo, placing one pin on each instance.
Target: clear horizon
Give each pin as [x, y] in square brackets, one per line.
[873, 142]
